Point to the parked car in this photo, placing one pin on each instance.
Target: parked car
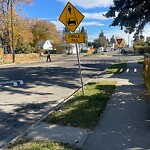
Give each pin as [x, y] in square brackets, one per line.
[123, 51]
[106, 50]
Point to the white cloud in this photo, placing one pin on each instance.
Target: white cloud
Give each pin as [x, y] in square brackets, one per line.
[92, 23]
[98, 16]
[59, 25]
[89, 3]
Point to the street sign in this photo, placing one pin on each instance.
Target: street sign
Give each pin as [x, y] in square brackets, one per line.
[119, 41]
[75, 38]
[71, 17]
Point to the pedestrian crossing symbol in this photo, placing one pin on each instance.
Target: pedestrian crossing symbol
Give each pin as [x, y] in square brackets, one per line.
[71, 17]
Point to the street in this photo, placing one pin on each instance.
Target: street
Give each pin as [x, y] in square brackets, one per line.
[29, 91]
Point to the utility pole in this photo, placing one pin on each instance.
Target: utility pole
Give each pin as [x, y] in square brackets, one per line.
[12, 31]
[128, 38]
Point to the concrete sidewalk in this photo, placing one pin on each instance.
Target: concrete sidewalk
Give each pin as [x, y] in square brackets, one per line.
[126, 121]
[125, 124]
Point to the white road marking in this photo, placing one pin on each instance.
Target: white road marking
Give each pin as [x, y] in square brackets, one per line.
[127, 70]
[44, 67]
[135, 70]
[13, 82]
[21, 82]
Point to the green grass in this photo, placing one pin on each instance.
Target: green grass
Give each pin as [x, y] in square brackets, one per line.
[40, 145]
[84, 110]
[116, 69]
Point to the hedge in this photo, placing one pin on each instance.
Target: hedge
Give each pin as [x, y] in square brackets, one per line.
[147, 76]
[141, 49]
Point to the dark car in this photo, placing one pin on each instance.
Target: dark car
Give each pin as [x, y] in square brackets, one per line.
[123, 51]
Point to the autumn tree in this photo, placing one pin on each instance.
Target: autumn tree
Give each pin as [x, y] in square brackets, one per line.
[133, 15]
[45, 30]
[26, 32]
[7, 13]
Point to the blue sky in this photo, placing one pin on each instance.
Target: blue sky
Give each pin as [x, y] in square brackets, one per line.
[93, 22]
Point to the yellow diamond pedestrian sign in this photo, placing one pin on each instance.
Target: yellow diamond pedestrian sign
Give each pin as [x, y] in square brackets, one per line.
[71, 17]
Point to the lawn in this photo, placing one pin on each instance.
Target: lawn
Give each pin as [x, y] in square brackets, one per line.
[116, 69]
[84, 110]
[41, 145]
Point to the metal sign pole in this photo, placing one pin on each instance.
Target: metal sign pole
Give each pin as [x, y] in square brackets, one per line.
[80, 69]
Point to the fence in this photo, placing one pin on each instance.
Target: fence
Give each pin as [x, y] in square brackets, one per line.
[18, 57]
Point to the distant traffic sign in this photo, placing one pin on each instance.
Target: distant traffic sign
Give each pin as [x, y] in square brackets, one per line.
[119, 41]
[71, 17]
[75, 38]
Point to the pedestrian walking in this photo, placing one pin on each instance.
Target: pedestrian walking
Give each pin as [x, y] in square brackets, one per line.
[48, 57]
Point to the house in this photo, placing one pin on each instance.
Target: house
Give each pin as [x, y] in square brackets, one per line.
[67, 48]
[139, 39]
[147, 39]
[46, 45]
[87, 49]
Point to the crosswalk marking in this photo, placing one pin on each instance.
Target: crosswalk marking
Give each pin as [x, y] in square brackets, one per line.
[134, 70]
[11, 83]
[127, 70]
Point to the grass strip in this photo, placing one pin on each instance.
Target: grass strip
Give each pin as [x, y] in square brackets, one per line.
[117, 68]
[84, 110]
[41, 145]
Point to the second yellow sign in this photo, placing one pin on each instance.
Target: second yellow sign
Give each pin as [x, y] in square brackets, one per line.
[75, 38]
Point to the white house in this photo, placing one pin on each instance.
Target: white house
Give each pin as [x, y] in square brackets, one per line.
[68, 48]
[46, 45]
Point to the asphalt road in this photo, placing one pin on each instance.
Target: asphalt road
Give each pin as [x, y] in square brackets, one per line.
[43, 86]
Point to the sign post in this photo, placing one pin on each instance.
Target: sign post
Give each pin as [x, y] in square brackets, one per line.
[71, 18]
[80, 69]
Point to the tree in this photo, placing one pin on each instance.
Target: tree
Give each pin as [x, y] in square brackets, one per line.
[112, 39]
[44, 30]
[101, 41]
[7, 23]
[131, 14]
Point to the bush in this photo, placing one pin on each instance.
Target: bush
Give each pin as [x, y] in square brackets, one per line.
[23, 48]
[141, 49]
[147, 76]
